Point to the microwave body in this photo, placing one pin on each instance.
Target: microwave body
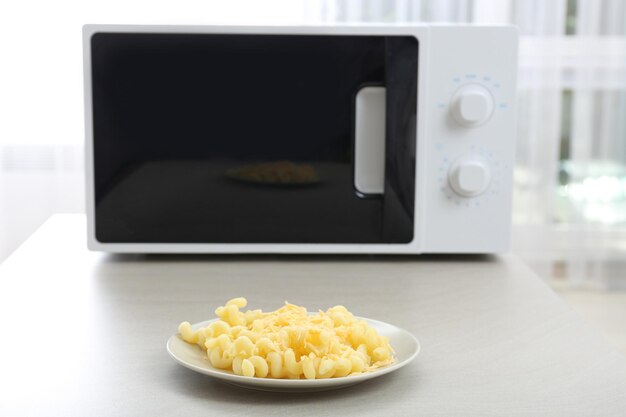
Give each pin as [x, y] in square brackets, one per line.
[331, 139]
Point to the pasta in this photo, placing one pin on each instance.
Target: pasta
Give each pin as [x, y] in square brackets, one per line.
[289, 342]
[281, 172]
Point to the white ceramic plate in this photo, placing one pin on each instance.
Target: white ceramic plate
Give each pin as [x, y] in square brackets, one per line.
[191, 356]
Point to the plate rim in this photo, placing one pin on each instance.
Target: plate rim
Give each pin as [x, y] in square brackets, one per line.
[294, 383]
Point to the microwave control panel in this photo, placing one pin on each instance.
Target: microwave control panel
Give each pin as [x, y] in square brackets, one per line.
[469, 139]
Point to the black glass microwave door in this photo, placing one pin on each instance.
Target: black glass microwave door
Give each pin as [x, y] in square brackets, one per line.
[182, 123]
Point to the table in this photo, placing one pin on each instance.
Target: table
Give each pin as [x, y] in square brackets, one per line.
[84, 333]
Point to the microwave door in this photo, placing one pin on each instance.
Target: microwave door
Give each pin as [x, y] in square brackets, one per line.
[218, 138]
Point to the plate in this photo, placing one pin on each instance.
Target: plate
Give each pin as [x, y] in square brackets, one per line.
[273, 184]
[191, 356]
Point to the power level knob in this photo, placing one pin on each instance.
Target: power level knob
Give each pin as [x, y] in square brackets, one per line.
[472, 105]
[469, 176]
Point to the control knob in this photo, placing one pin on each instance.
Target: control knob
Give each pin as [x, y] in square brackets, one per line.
[472, 105]
[469, 176]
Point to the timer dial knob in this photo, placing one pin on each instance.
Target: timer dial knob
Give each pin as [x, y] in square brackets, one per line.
[472, 105]
[469, 176]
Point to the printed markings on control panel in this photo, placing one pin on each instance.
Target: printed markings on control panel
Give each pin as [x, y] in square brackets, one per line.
[492, 191]
[486, 81]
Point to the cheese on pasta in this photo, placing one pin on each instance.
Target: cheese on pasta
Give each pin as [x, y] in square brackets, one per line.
[289, 342]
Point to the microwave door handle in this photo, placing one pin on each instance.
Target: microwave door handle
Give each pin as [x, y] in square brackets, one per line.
[369, 140]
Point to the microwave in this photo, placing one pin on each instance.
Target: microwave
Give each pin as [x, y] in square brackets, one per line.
[377, 139]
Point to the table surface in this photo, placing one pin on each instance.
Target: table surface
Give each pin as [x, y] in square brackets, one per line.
[84, 333]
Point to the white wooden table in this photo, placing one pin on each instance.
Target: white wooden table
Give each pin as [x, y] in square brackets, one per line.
[84, 334]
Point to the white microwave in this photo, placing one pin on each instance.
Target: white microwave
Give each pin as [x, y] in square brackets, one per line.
[326, 139]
